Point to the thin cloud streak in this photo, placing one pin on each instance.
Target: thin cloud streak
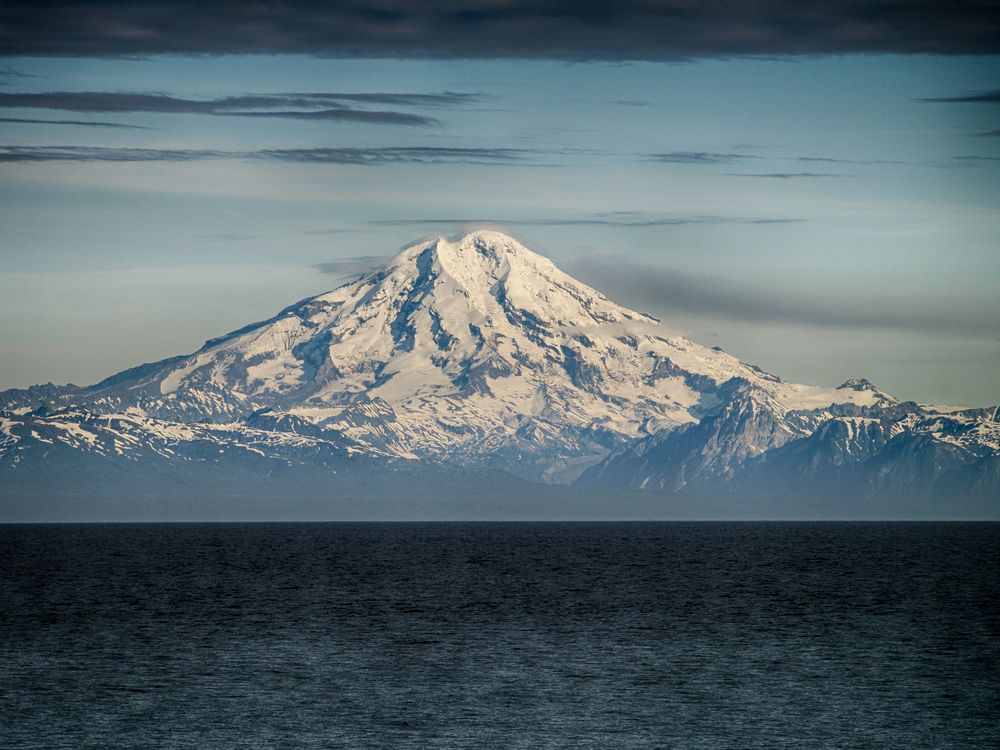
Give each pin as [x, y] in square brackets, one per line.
[611, 30]
[600, 220]
[308, 106]
[253, 237]
[80, 123]
[699, 157]
[38, 154]
[347, 156]
[394, 155]
[711, 157]
[788, 175]
[343, 115]
[989, 97]
[356, 266]
[111, 101]
[829, 160]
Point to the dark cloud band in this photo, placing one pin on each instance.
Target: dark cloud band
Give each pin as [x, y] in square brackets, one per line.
[553, 29]
[300, 106]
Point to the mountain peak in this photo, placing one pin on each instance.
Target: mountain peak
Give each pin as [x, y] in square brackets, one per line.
[857, 384]
[494, 279]
[480, 252]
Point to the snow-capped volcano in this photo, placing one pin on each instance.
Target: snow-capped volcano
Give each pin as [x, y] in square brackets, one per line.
[481, 353]
[477, 350]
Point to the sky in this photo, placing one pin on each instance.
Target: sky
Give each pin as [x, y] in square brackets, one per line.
[814, 187]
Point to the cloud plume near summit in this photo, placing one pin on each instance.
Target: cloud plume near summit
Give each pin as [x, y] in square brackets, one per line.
[668, 291]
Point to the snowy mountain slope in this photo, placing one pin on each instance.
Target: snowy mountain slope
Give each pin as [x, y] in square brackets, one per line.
[749, 449]
[136, 438]
[479, 353]
[750, 423]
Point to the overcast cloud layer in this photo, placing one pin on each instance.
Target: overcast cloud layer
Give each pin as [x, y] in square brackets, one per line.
[555, 29]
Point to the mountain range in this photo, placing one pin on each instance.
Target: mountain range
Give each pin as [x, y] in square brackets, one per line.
[475, 371]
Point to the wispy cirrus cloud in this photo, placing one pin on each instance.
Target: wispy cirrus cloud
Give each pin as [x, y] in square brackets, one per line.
[788, 175]
[79, 123]
[375, 117]
[830, 160]
[328, 106]
[349, 156]
[709, 158]
[552, 29]
[700, 157]
[257, 236]
[82, 154]
[396, 155]
[618, 219]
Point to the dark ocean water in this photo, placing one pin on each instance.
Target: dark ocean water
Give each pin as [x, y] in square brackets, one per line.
[647, 635]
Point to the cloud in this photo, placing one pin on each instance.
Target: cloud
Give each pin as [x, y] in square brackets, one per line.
[700, 157]
[355, 266]
[343, 115]
[713, 157]
[354, 156]
[440, 99]
[28, 154]
[787, 175]
[254, 236]
[669, 291]
[301, 106]
[988, 134]
[552, 29]
[394, 155]
[991, 97]
[620, 219]
[828, 160]
[82, 123]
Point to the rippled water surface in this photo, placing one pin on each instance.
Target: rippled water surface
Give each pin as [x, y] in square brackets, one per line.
[500, 636]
